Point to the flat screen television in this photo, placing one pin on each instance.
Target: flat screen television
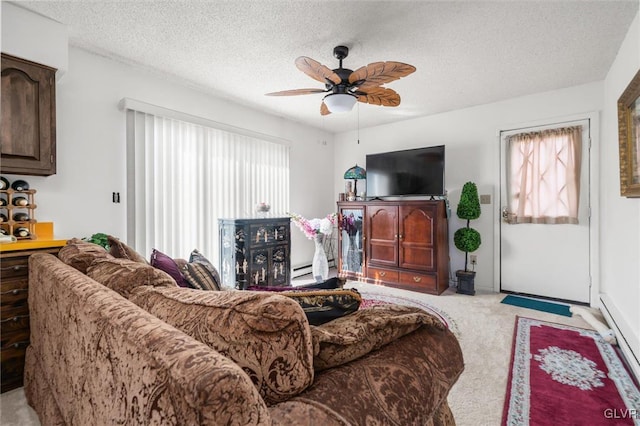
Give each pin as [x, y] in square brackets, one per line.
[415, 172]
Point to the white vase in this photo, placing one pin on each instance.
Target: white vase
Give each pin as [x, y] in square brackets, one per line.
[320, 264]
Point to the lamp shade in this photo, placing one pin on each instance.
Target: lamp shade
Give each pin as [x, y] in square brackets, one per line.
[355, 172]
[340, 102]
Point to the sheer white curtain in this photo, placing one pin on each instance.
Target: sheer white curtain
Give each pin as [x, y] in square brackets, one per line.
[183, 177]
[543, 176]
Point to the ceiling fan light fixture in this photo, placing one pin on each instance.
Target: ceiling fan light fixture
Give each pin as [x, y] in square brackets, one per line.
[340, 102]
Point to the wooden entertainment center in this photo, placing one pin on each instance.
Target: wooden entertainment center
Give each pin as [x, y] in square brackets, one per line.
[401, 244]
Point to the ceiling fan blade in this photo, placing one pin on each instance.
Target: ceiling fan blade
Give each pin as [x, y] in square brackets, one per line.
[316, 70]
[378, 96]
[324, 110]
[379, 73]
[295, 92]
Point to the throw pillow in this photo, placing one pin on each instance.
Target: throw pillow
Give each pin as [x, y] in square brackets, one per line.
[198, 276]
[197, 257]
[167, 264]
[80, 254]
[122, 251]
[322, 306]
[124, 276]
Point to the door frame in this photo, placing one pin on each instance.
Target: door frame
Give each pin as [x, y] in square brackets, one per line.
[593, 117]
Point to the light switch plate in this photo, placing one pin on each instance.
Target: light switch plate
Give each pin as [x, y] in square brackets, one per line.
[485, 199]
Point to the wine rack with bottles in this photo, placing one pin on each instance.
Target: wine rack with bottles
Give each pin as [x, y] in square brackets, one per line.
[17, 216]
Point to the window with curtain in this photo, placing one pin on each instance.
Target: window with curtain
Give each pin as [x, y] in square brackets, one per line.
[183, 177]
[543, 176]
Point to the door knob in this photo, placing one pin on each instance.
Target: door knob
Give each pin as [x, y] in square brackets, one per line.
[507, 216]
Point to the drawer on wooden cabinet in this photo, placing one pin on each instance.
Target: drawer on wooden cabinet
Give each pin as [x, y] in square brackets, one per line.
[268, 234]
[11, 285]
[11, 311]
[14, 267]
[12, 365]
[14, 294]
[14, 338]
[426, 281]
[14, 323]
[379, 274]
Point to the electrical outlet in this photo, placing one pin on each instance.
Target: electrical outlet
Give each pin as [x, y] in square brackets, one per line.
[473, 259]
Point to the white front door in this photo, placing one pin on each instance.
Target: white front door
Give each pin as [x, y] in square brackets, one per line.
[549, 260]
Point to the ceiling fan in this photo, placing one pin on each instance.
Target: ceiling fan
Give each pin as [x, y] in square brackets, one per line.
[345, 87]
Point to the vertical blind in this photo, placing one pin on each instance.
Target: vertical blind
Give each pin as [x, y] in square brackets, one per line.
[183, 177]
[543, 176]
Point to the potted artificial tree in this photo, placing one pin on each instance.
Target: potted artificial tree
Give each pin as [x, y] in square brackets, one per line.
[467, 239]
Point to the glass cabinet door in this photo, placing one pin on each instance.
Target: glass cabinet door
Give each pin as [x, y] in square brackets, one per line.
[351, 254]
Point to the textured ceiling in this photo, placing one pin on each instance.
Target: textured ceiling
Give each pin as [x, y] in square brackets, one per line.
[466, 53]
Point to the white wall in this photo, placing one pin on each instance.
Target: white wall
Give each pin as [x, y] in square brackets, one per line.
[620, 216]
[48, 45]
[91, 144]
[471, 139]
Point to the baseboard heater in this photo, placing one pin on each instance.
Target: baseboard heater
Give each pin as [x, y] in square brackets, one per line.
[623, 334]
[301, 270]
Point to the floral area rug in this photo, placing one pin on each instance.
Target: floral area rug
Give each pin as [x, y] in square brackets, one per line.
[372, 299]
[564, 375]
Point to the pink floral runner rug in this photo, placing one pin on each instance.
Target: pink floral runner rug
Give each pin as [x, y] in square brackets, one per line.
[372, 299]
[564, 375]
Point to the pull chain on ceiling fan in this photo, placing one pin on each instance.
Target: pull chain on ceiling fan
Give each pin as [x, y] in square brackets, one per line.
[344, 87]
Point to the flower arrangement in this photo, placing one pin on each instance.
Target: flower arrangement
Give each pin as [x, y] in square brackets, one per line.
[314, 227]
[349, 224]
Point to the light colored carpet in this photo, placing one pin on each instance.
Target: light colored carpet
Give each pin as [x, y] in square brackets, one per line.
[485, 329]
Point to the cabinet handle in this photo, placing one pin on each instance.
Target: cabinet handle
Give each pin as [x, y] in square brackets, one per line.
[14, 319]
[15, 268]
[383, 273]
[401, 236]
[14, 291]
[417, 279]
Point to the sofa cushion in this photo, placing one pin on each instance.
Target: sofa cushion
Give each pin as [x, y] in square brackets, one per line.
[321, 306]
[80, 254]
[167, 264]
[351, 337]
[264, 333]
[198, 276]
[123, 275]
[122, 251]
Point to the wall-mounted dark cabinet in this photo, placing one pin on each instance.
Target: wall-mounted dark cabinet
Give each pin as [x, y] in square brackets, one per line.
[28, 110]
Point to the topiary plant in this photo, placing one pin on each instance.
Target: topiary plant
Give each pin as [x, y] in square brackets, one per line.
[468, 239]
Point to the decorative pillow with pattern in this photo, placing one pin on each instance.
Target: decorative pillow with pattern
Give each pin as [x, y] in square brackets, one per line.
[167, 264]
[322, 306]
[197, 257]
[80, 254]
[120, 250]
[198, 276]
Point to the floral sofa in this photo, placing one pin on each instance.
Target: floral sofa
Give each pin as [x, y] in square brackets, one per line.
[116, 341]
